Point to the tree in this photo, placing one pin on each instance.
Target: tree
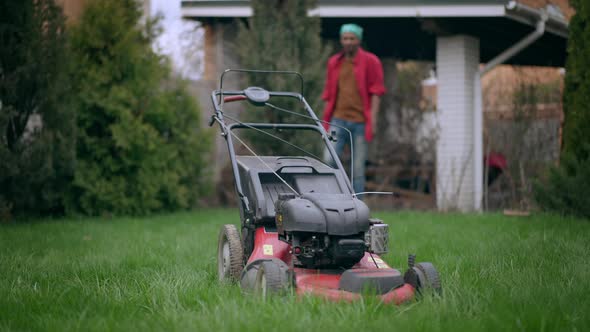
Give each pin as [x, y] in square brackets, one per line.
[577, 90]
[565, 190]
[140, 147]
[37, 125]
[283, 37]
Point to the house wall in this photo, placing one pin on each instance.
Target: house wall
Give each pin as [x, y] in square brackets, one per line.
[73, 8]
[219, 43]
[563, 6]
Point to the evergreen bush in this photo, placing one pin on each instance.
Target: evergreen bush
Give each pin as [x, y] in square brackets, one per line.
[565, 191]
[566, 188]
[140, 146]
[37, 124]
[576, 131]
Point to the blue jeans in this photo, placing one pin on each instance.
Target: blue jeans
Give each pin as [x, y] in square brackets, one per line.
[360, 149]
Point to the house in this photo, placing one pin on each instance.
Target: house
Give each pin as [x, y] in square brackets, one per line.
[73, 8]
[459, 35]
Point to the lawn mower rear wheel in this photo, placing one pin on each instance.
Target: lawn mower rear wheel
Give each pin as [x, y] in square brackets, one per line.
[230, 260]
[428, 278]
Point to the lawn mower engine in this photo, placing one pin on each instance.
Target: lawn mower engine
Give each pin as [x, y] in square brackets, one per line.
[327, 230]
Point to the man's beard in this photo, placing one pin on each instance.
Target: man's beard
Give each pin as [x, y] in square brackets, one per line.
[349, 51]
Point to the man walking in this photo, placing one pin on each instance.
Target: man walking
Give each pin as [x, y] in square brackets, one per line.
[354, 84]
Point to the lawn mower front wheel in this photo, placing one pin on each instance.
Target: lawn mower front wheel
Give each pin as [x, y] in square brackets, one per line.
[272, 278]
[229, 254]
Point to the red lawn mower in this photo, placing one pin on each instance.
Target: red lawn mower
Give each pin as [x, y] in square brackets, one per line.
[303, 229]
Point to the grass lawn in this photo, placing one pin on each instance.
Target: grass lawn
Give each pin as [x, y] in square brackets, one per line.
[159, 273]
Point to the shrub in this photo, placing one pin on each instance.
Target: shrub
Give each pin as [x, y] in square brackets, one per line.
[37, 125]
[565, 191]
[140, 147]
[566, 188]
[577, 90]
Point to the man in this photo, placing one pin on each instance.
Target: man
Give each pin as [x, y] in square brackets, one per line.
[354, 84]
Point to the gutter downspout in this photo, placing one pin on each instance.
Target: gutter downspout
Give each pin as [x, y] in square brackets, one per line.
[478, 104]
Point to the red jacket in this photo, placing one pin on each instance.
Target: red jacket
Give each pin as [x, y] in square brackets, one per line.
[368, 72]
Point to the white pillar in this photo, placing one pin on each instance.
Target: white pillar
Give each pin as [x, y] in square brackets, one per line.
[457, 61]
[477, 143]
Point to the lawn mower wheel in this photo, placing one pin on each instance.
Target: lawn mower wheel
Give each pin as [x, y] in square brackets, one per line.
[272, 278]
[229, 254]
[428, 278]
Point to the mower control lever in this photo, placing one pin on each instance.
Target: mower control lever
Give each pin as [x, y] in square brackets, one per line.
[411, 260]
[229, 99]
[332, 136]
[257, 96]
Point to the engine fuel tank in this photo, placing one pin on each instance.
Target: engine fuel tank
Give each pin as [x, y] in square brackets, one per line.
[331, 214]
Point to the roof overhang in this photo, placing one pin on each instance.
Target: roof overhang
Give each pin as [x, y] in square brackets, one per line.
[497, 23]
[237, 9]
[527, 15]
[409, 11]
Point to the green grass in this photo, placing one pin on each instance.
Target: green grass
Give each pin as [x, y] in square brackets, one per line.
[159, 273]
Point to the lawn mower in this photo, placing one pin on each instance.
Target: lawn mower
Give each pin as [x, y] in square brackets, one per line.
[303, 229]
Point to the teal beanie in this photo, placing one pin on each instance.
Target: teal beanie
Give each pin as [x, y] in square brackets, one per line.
[351, 27]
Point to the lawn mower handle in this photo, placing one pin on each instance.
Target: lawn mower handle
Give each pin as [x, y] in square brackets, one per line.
[219, 96]
[269, 72]
[229, 99]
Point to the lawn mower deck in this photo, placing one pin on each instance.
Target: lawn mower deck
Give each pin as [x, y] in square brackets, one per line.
[370, 275]
[303, 229]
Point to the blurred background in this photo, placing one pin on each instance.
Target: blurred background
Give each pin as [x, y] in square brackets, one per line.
[105, 104]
